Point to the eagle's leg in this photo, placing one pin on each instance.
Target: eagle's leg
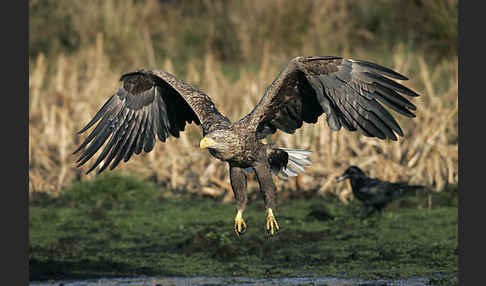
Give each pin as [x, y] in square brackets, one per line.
[238, 183]
[272, 225]
[267, 186]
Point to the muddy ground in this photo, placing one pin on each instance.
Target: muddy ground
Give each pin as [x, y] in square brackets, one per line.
[120, 227]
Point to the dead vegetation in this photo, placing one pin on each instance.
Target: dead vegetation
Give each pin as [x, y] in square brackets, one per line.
[65, 91]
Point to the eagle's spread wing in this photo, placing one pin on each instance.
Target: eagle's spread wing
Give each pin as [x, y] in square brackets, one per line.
[348, 91]
[149, 104]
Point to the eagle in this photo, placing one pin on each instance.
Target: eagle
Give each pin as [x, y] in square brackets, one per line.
[373, 192]
[154, 104]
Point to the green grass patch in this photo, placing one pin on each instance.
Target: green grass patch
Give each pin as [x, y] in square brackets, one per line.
[120, 227]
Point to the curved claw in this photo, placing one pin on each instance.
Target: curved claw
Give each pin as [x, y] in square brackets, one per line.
[272, 225]
[240, 225]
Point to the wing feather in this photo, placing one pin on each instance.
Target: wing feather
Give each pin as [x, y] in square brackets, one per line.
[141, 135]
[149, 133]
[108, 128]
[108, 147]
[133, 137]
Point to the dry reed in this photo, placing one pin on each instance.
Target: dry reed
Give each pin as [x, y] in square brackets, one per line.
[62, 103]
[65, 92]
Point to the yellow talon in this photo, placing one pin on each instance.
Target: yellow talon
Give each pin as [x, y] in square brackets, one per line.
[272, 224]
[240, 225]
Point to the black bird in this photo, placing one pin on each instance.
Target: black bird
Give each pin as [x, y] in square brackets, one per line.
[373, 192]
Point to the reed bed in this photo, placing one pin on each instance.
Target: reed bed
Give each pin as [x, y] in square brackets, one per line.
[66, 90]
[63, 102]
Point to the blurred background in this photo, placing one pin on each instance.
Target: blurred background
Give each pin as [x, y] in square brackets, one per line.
[232, 50]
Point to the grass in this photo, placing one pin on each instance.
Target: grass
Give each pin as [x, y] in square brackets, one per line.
[117, 226]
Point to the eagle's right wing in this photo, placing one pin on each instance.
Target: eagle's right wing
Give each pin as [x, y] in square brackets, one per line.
[149, 104]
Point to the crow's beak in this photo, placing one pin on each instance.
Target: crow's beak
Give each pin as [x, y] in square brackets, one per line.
[342, 178]
[206, 142]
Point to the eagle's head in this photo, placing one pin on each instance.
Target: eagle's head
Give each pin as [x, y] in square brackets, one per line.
[222, 141]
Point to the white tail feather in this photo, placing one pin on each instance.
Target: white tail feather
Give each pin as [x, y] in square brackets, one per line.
[297, 160]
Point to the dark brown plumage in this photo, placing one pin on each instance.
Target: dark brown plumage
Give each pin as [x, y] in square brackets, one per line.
[154, 104]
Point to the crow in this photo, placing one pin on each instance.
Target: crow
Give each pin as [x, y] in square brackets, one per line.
[374, 192]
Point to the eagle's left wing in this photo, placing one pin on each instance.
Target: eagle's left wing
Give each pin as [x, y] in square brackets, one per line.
[348, 91]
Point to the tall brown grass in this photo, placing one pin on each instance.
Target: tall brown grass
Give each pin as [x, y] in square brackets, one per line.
[65, 91]
[62, 103]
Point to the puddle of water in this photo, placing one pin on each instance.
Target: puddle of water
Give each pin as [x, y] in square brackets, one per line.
[237, 281]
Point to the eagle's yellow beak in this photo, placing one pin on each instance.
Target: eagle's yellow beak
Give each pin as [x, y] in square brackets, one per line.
[206, 142]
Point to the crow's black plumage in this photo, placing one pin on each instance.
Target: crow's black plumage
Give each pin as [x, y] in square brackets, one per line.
[374, 192]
